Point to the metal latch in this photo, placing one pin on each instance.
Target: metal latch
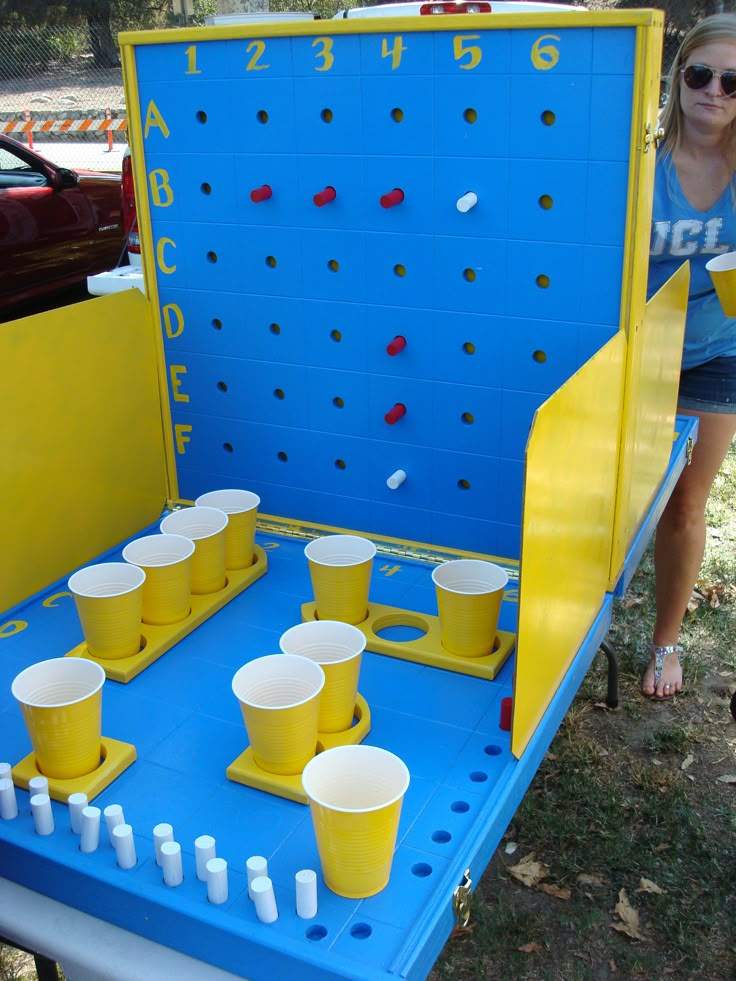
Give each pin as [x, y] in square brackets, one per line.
[461, 900]
[689, 449]
[653, 136]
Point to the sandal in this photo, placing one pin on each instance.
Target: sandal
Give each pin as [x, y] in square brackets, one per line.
[660, 652]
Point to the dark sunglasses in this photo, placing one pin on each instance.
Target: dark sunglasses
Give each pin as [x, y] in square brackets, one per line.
[698, 76]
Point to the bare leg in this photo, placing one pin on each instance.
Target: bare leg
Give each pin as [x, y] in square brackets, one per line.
[680, 543]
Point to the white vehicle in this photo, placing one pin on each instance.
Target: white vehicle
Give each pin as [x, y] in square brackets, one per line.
[461, 7]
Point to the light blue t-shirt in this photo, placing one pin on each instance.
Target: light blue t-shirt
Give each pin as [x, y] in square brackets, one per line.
[680, 232]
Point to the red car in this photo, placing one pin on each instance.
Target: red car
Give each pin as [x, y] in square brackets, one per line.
[57, 226]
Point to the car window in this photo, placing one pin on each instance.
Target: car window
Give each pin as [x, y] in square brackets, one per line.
[16, 172]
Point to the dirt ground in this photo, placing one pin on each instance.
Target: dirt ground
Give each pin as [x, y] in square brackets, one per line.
[65, 90]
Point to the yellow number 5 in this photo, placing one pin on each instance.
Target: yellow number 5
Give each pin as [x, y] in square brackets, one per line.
[460, 49]
[545, 56]
[324, 52]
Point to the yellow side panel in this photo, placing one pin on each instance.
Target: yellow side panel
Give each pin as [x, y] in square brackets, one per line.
[653, 371]
[81, 440]
[569, 491]
[652, 414]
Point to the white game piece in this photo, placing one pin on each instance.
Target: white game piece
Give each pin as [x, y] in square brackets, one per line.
[90, 830]
[38, 785]
[114, 816]
[217, 881]
[306, 894]
[161, 833]
[467, 201]
[204, 850]
[122, 839]
[171, 863]
[396, 479]
[43, 817]
[8, 800]
[264, 898]
[76, 803]
[255, 866]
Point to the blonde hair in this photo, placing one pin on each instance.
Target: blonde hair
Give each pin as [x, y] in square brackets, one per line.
[719, 27]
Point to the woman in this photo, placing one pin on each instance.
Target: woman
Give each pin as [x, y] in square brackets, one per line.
[695, 218]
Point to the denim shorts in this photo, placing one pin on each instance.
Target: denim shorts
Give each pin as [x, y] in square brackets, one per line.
[711, 387]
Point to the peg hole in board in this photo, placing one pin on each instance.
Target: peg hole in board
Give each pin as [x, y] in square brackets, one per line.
[399, 269]
[463, 484]
[548, 117]
[470, 116]
[327, 115]
[222, 386]
[468, 418]
[341, 465]
[338, 402]
[279, 394]
[271, 261]
[262, 116]
[282, 456]
[212, 257]
[469, 347]
[201, 116]
[336, 336]
[361, 931]
[333, 265]
[205, 188]
[540, 356]
[421, 870]
[546, 202]
[227, 447]
[217, 323]
[469, 275]
[542, 281]
[275, 329]
[397, 115]
[315, 933]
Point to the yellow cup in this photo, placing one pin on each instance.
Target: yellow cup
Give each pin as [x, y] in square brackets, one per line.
[355, 796]
[279, 699]
[206, 528]
[167, 562]
[338, 648]
[340, 567]
[61, 702]
[469, 594]
[241, 507]
[109, 601]
[722, 269]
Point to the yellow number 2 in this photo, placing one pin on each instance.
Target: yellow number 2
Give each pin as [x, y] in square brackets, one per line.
[545, 56]
[324, 52]
[258, 48]
[394, 51]
[460, 49]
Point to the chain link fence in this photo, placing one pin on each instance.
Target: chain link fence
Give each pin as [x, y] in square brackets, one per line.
[67, 81]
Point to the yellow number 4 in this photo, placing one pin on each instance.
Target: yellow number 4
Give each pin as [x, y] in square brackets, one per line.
[395, 51]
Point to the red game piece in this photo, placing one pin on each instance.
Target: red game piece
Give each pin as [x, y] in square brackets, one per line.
[324, 197]
[396, 345]
[505, 723]
[393, 197]
[394, 414]
[262, 193]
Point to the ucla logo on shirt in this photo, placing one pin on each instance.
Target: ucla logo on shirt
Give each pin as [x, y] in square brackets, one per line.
[686, 237]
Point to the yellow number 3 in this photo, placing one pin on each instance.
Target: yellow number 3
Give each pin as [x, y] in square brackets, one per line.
[545, 56]
[324, 52]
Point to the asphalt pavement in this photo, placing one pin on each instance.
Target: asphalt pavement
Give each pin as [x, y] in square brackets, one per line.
[83, 156]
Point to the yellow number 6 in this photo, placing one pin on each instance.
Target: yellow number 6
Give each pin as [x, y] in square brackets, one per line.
[545, 56]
